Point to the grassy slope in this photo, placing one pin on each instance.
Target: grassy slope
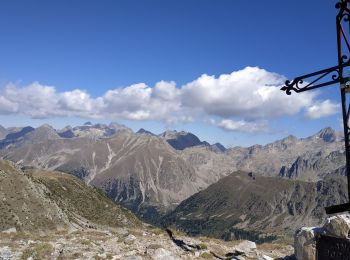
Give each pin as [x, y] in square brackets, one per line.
[44, 200]
[76, 198]
[248, 205]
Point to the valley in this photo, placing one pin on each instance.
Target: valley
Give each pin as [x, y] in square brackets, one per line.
[261, 193]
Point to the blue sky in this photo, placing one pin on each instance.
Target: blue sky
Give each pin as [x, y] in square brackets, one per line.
[100, 48]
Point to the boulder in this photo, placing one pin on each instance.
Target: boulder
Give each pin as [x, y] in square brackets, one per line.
[10, 230]
[305, 243]
[248, 248]
[130, 239]
[163, 254]
[338, 226]
[122, 232]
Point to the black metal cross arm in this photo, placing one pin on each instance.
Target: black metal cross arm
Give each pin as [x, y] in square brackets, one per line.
[314, 79]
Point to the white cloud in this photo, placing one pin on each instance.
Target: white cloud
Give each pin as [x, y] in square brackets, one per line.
[252, 93]
[6, 106]
[242, 126]
[135, 102]
[322, 109]
[240, 100]
[141, 102]
[34, 100]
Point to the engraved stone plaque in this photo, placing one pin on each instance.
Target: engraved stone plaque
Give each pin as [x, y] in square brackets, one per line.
[332, 248]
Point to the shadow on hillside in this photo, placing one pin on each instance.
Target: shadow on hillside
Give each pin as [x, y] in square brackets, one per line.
[180, 243]
[193, 247]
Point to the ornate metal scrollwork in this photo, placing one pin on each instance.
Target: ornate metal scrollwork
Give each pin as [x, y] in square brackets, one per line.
[295, 84]
[342, 5]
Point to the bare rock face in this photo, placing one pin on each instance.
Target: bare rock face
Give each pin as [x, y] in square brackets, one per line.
[338, 226]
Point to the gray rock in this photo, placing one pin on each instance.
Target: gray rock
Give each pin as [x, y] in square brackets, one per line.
[305, 243]
[163, 254]
[338, 226]
[6, 253]
[130, 239]
[10, 230]
[122, 231]
[248, 248]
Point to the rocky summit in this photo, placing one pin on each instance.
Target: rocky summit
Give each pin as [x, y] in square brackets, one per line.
[182, 140]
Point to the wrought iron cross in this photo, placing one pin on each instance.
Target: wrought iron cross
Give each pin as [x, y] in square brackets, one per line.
[331, 76]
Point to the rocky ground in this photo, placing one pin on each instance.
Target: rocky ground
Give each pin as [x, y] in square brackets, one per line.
[131, 244]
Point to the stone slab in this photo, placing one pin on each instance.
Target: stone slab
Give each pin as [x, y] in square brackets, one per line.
[332, 248]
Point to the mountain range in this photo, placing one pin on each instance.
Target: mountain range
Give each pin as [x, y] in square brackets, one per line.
[152, 174]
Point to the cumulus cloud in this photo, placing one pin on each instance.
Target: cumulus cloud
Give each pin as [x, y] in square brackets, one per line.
[34, 100]
[241, 100]
[322, 109]
[242, 126]
[135, 102]
[141, 102]
[6, 106]
[252, 93]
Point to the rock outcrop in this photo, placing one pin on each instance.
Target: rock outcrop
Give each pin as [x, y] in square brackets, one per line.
[305, 238]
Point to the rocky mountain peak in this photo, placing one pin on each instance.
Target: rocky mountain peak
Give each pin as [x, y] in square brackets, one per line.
[290, 138]
[218, 147]
[181, 140]
[66, 132]
[119, 127]
[46, 126]
[19, 132]
[143, 131]
[67, 127]
[43, 132]
[327, 134]
[169, 134]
